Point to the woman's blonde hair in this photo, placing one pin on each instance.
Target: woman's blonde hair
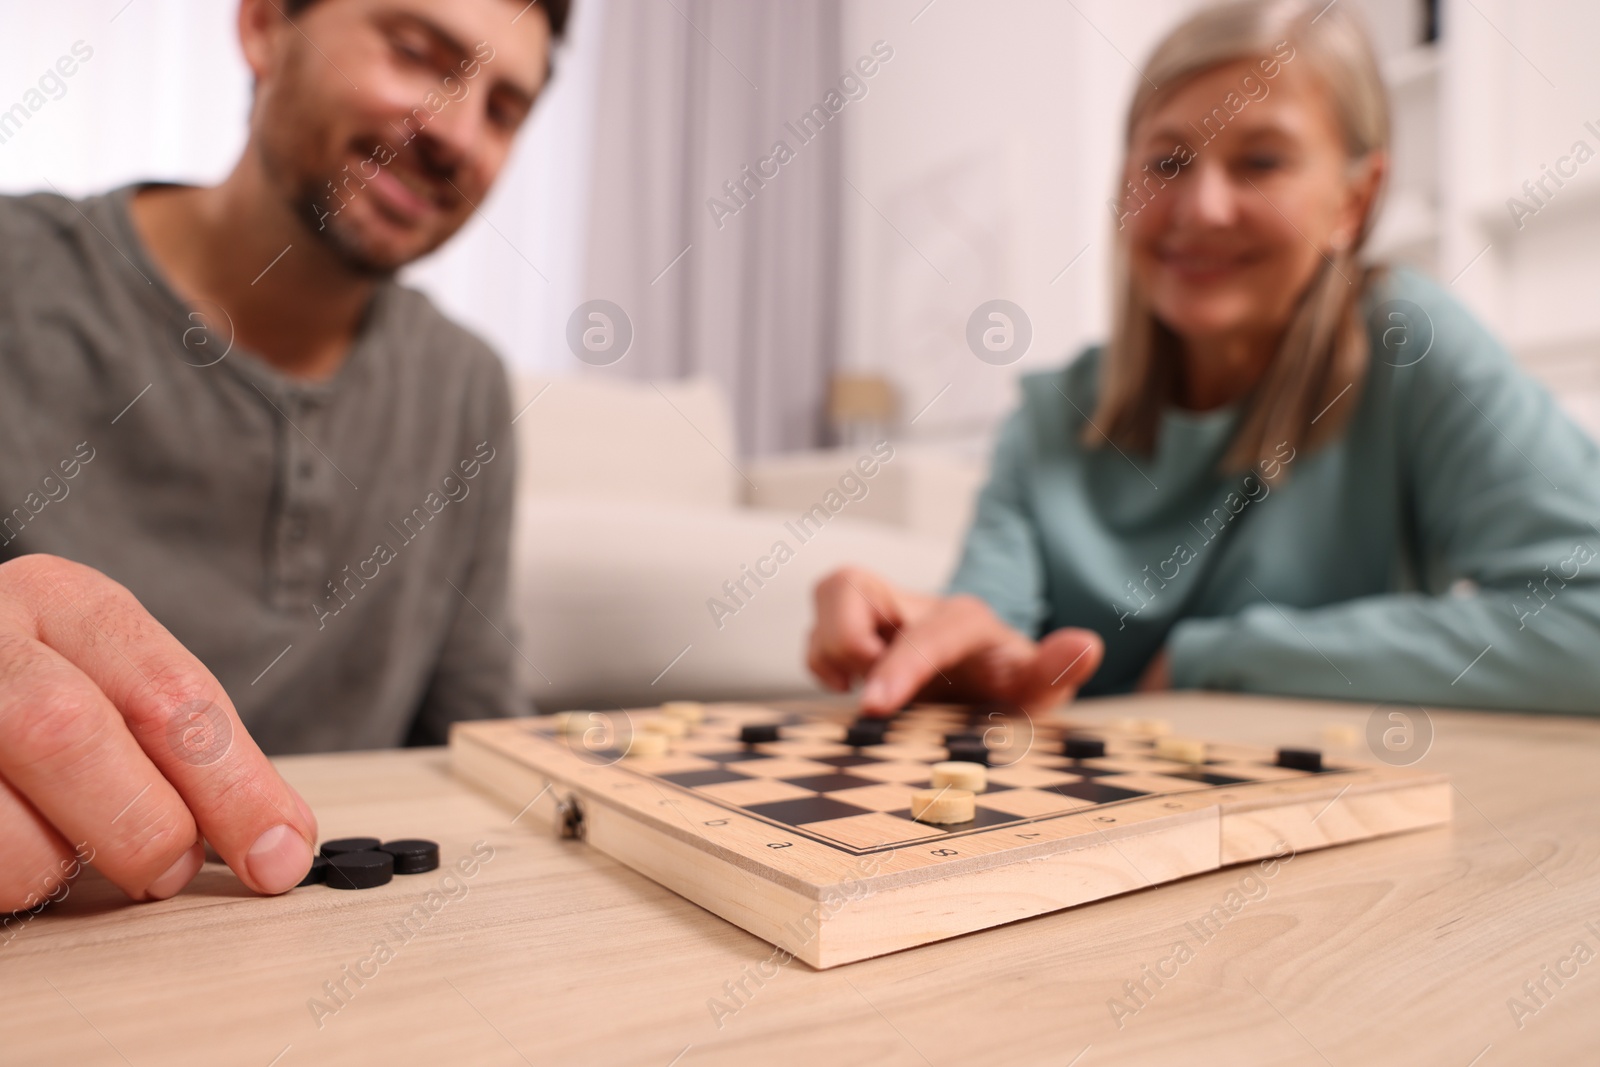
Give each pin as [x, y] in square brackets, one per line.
[1324, 350]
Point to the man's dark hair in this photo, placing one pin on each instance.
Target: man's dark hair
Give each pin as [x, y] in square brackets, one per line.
[555, 10]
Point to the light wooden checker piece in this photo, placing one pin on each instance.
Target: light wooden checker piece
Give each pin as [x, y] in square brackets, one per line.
[810, 843]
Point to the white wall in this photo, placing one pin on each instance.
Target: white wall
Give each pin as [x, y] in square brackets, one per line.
[1520, 82]
[990, 144]
[164, 95]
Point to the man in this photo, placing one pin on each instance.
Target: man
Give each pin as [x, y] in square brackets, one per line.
[253, 494]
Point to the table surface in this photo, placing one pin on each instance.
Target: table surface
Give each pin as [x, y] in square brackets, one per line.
[1412, 949]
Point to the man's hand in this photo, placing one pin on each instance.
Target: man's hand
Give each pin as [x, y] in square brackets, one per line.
[943, 648]
[116, 743]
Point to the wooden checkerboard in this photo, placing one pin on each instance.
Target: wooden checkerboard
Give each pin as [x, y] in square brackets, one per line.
[810, 843]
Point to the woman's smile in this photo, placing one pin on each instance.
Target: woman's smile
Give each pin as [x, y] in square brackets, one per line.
[1205, 265]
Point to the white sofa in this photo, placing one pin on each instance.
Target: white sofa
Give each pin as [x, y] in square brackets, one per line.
[632, 516]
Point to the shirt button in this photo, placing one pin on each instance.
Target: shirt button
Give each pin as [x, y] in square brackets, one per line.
[305, 468]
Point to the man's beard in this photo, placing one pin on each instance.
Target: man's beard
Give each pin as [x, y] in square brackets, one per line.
[311, 204]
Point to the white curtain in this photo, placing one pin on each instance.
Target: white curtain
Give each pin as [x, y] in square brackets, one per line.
[742, 288]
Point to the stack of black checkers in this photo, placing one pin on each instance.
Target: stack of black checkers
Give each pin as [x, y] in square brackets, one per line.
[365, 862]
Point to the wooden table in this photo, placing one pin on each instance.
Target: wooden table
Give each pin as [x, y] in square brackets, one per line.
[1406, 950]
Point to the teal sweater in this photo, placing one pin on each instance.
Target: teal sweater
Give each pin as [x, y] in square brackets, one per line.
[1441, 551]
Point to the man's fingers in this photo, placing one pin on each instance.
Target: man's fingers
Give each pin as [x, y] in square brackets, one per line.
[1065, 659]
[39, 863]
[68, 752]
[178, 714]
[956, 629]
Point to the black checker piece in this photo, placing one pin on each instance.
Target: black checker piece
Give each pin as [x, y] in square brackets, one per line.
[860, 736]
[318, 872]
[1083, 748]
[359, 870]
[711, 777]
[413, 855]
[806, 809]
[342, 845]
[967, 752]
[1300, 759]
[756, 733]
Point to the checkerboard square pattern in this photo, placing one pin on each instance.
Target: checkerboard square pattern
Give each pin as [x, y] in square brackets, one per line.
[909, 751]
[855, 759]
[803, 748]
[1096, 793]
[982, 818]
[859, 799]
[873, 830]
[1150, 783]
[755, 792]
[882, 796]
[780, 767]
[1024, 774]
[893, 771]
[661, 766]
[817, 731]
[1252, 772]
[692, 779]
[815, 807]
[828, 783]
[1033, 803]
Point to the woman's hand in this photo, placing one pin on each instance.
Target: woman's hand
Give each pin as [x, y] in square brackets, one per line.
[1157, 676]
[941, 648]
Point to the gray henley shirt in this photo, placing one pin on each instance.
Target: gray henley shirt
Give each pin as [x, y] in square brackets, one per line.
[335, 552]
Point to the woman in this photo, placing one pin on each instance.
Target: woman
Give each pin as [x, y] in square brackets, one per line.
[1286, 472]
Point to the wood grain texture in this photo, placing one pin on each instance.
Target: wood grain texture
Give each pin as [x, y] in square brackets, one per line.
[1402, 950]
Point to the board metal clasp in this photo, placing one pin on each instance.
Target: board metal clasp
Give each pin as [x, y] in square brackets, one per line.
[569, 816]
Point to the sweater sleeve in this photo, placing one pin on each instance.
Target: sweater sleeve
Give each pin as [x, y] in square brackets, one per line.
[1504, 492]
[1000, 562]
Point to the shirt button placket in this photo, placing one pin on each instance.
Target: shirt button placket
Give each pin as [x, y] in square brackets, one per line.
[294, 521]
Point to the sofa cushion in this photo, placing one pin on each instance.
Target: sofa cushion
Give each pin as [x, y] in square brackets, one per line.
[593, 437]
[607, 593]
